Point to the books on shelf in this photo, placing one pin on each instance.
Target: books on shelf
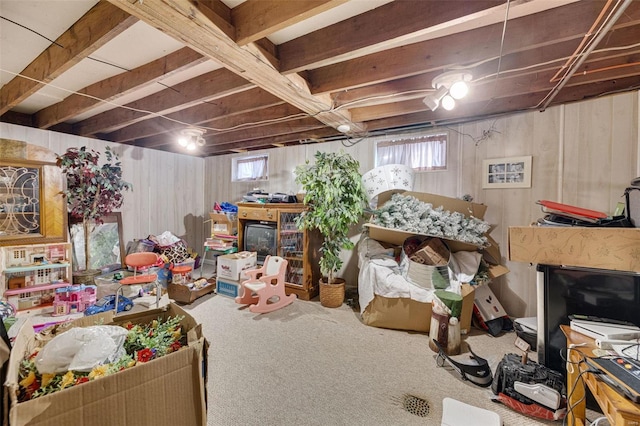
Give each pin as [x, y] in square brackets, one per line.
[221, 242]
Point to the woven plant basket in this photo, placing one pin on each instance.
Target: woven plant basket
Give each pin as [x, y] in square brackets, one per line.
[86, 276]
[332, 295]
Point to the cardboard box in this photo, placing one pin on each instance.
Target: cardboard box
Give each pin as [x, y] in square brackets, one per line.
[181, 293]
[491, 254]
[232, 266]
[408, 314]
[224, 223]
[167, 391]
[228, 288]
[601, 248]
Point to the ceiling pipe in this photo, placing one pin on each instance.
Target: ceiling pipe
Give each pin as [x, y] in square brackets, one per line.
[583, 57]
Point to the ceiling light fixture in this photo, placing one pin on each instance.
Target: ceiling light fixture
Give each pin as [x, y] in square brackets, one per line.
[191, 137]
[449, 86]
[343, 128]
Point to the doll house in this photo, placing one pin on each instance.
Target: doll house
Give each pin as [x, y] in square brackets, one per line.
[73, 299]
[31, 274]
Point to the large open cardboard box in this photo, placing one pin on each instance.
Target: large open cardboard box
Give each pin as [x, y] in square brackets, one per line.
[167, 391]
[402, 313]
[491, 254]
[590, 247]
[408, 314]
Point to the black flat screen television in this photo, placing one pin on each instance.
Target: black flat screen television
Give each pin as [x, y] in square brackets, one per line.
[563, 291]
[261, 237]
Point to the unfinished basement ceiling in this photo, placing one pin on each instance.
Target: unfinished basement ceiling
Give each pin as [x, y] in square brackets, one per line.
[257, 74]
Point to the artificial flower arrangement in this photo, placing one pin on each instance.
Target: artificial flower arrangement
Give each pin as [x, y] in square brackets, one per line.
[143, 343]
[409, 214]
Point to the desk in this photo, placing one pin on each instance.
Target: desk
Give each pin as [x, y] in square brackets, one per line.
[619, 410]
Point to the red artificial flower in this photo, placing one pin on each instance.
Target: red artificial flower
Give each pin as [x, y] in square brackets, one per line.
[175, 346]
[145, 355]
[81, 380]
[32, 388]
[129, 326]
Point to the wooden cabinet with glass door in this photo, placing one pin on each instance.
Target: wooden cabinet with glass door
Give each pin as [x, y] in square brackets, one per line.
[32, 208]
[299, 248]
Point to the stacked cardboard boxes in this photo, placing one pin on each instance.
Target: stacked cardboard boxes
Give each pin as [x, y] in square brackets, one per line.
[409, 314]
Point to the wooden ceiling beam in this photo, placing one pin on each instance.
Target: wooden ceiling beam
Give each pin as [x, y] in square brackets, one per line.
[204, 88]
[117, 86]
[262, 117]
[488, 91]
[236, 137]
[182, 21]
[98, 26]
[268, 142]
[375, 30]
[540, 30]
[255, 19]
[240, 103]
[521, 103]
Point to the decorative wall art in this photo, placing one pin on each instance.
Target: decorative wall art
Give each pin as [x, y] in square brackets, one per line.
[512, 172]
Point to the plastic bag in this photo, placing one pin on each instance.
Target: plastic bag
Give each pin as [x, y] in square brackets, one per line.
[82, 349]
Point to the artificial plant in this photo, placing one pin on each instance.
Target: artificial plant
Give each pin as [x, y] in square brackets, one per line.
[93, 190]
[335, 200]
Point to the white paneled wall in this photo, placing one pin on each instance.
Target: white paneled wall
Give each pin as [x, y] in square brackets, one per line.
[584, 154]
[167, 188]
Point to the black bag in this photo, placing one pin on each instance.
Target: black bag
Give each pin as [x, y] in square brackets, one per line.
[511, 370]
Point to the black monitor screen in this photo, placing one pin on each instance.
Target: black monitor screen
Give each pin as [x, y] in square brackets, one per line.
[598, 292]
[262, 238]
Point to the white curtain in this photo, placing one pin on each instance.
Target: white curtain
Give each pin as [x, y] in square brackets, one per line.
[421, 153]
[252, 168]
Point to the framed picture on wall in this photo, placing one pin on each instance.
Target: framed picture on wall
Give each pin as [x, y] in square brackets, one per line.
[512, 172]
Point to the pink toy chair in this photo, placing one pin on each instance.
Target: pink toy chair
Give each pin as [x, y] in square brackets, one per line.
[139, 261]
[265, 283]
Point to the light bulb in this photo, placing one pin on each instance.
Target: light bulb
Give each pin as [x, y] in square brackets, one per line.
[459, 90]
[448, 103]
[183, 142]
[191, 146]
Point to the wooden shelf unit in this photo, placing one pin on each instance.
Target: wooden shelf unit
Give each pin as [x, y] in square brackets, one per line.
[299, 248]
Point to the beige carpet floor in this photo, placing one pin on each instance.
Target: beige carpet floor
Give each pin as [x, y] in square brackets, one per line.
[309, 365]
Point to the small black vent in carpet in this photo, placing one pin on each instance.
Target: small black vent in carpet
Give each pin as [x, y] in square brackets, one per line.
[415, 405]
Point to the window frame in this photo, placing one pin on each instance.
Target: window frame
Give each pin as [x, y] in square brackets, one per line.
[406, 138]
[248, 158]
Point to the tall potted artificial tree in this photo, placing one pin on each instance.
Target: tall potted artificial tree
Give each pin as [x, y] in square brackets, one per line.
[93, 191]
[335, 200]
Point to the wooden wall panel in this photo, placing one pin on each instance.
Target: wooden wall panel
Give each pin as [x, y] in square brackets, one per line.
[167, 188]
[583, 154]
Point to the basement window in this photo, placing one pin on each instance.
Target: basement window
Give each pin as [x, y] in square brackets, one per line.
[423, 153]
[250, 168]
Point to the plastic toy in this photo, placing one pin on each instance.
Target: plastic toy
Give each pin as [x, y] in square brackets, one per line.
[107, 303]
[73, 298]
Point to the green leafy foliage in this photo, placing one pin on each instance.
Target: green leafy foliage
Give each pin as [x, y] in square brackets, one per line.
[336, 200]
[93, 190]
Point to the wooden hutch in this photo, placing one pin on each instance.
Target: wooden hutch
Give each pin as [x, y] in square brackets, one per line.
[300, 248]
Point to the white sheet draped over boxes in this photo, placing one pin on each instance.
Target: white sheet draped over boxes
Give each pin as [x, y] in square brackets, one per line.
[388, 300]
[232, 266]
